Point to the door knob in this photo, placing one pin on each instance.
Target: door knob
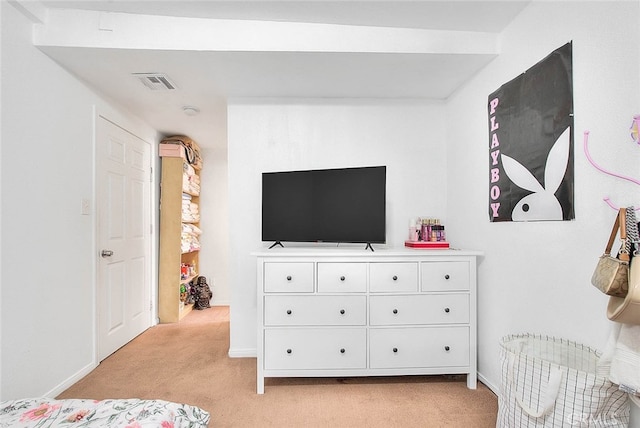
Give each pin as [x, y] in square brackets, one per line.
[106, 253]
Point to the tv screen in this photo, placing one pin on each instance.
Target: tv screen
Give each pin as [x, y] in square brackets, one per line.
[326, 205]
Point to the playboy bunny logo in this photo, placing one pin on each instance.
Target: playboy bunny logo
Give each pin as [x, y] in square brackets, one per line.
[542, 204]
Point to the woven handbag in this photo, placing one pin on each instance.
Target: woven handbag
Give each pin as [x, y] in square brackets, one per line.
[550, 382]
[611, 275]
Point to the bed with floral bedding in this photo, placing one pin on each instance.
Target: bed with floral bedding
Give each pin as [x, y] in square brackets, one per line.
[126, 413]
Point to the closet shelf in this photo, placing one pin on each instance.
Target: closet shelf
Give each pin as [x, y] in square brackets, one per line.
[173, 254]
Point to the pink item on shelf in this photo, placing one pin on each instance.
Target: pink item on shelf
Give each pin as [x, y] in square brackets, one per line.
[427, 244]
[172, 151]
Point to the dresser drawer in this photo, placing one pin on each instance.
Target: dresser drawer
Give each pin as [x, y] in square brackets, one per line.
[419, 347]
[288, 277]
[393, 277]
[315, 348]
[445, 276]
[342, 277]
[315, 310]
[419, 309]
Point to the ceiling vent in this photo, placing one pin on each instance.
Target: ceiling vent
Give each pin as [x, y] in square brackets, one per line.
[156, 81]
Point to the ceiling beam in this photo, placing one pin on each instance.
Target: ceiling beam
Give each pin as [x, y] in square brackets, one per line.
[91, 29]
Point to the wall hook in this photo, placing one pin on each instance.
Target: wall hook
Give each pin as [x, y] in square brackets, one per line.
[599, 168]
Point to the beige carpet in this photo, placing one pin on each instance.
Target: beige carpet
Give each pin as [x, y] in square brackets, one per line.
[188, 363]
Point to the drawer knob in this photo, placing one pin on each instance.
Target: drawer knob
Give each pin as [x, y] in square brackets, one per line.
[446, 348]
[288, 277]
[395, 277]
[447, 310]
[395, 311]
[342, 278]
[288, 311]
[342, 311]
[289, 351]
[342, 350]
[447, 276]
[395, 350]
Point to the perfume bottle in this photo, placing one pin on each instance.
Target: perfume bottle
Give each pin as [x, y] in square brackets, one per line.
[413, 231]
[425, 229]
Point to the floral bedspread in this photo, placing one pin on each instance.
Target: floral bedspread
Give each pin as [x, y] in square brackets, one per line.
[128, 413]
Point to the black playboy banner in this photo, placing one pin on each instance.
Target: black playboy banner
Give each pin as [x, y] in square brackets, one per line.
[531, 143]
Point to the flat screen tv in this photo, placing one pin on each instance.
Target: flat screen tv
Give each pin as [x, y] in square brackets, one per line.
[345, 205]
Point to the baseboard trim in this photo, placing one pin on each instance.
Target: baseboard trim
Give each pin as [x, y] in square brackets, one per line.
[495, 389]
[71, 380]
[220, 303]
[243, 353]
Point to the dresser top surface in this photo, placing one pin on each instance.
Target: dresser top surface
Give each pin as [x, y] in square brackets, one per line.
[360, 252]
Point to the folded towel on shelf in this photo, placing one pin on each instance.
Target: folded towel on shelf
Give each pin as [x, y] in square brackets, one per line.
[190, 187]
[190, 212]
[188, 169]
[193, 190]
[191, 228]
[189, 242]
[190, 218]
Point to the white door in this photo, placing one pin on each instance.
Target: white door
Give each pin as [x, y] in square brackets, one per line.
[123, 208]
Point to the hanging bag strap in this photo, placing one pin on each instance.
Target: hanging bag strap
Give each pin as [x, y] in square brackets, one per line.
[620, 224]
[631, 228]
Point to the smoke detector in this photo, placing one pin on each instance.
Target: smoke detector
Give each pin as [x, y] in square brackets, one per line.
[156, 81]
[190, 110]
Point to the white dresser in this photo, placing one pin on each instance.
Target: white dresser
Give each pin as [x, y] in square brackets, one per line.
[350, 312]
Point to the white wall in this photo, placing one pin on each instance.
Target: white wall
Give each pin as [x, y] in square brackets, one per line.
[535, 277]
[47, 278]
[1, 72]
[406, 136]
[214, 256]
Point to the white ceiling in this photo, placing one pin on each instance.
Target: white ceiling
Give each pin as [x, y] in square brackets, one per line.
[206, 79]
